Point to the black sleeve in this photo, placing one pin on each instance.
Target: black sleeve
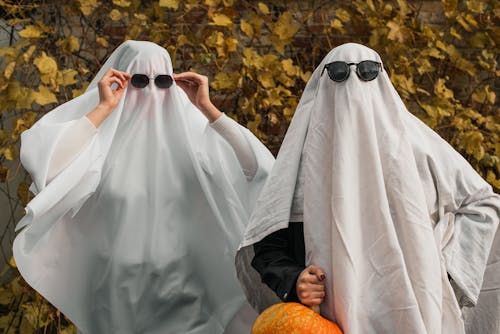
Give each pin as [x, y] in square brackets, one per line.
[279, 259]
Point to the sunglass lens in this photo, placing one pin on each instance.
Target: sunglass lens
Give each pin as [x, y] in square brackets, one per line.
[164, 81]
[139, 80]
[368, 70]
[338, 71]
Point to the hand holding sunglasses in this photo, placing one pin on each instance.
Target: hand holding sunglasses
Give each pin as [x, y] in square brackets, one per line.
[367, 70]
[196, 88]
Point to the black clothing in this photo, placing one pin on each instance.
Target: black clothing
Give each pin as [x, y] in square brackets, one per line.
[280, 258]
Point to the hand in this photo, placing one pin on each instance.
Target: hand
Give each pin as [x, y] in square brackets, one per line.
[109, 97]
[196, 88]
[311, 286]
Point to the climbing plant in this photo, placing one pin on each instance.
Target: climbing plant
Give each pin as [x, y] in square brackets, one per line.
[258, 56]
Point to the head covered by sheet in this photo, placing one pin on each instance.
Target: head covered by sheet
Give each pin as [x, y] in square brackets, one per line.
[138, 233]
[389, 208]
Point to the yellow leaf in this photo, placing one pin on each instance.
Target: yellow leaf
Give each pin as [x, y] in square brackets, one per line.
[472, 141]
[254, 125]
[221, 20]
[31, 32]
[492, 179]
[70, 44]
[27, 55]
[10, 153]
[471, 20]
[424, 66]
[305, 76]
[371, 5]
[66, 77]
[115, 15]
[449, 6]
[9, 70]
[45, 64]
[246, 28]
[266, 79]
[337, 25]
[251, 58]
[270, 62]
[171, 4]
[395, 32]
[285, 28]
[432, 52]
[263, 8]
[232, 44]
[44, 96]
[88, 6]
[343, 15]
[141, 17]
[442, 91]
[461, 21]
[279, 44]
[289, 68]
[455, 34]
[215, 39]
[122, 3]
[183, 40]
[475, 6]
[78, 92]
[12, 262]
[224, 80]
[102, 42]
[4, 173]
[13, 90]
[484, 95]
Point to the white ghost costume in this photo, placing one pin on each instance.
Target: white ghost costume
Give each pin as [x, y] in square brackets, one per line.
[136, 232]
[389, 210]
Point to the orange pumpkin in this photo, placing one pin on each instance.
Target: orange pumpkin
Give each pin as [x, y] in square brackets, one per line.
[292, 318]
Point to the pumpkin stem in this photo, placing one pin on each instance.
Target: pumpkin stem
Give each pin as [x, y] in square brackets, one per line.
[316, 308]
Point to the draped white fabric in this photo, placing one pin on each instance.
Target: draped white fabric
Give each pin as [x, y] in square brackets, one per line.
[389, 209]
[138, 233]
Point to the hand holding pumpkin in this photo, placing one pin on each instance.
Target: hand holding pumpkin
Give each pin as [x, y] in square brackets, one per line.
[311, 286]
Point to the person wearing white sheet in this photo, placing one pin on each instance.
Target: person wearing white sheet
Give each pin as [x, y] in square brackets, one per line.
[140, 202]
[401, 225]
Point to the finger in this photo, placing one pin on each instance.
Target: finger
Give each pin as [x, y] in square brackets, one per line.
[115, 80]
[315, 270]
[190, 76]
[311, 279]
[315, 301]
[121, 75]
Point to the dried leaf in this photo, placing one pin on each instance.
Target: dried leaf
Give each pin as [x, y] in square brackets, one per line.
[285, 28]
[441, 90]
[246, 28]
[221, 20]
[224, 80]
[263, 8]
[31, 32]
[9, 70]
[44, 96]
[67, 77]
[115, 15]
[122, 3]
[88, 6]
[102, 42]
[171, 4]
[450, 7]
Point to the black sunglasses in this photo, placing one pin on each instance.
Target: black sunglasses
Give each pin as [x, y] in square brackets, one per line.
[339, 71]
[142, 80]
